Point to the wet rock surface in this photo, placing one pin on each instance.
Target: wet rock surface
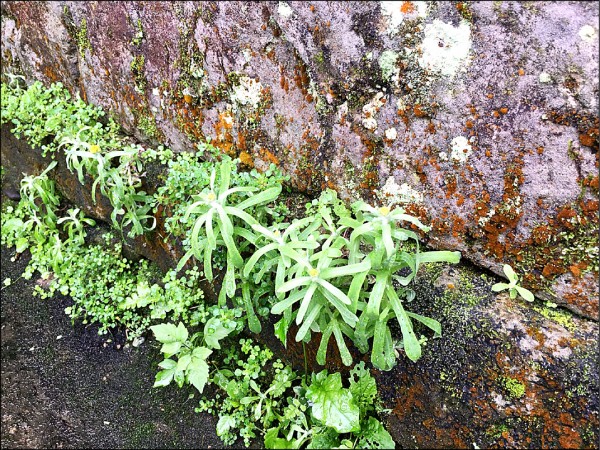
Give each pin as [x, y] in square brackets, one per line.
[64, 386]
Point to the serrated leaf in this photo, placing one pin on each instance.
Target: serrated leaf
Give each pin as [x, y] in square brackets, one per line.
[170, 348]
[214, 331]
[272, 440]
[333, 405]
[164, 377]
[281, 329]
[374, 435]
[167, 332]
[224, 424]
[197, 371]
[184, 362]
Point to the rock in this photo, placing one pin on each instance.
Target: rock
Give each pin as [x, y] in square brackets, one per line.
[305, 86]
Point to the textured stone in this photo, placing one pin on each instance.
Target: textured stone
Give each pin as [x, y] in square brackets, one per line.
[525, 96]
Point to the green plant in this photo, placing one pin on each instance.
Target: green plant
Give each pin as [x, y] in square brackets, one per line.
[74, 224]
[341, 271]
[216, 219]
[44, 116]
[192, 363]
[513, 285]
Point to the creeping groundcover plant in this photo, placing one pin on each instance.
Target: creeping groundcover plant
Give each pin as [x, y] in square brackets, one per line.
[341, 274]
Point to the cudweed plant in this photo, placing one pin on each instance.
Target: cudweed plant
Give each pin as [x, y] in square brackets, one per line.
[513, 285]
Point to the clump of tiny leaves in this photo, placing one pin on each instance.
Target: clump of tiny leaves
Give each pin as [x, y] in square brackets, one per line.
[291, 411]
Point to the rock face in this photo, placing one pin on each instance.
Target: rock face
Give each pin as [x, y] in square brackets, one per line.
[486, 111]
[481, 117]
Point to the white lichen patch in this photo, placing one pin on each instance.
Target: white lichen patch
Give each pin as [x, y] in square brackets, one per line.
[392, 194]
[284, 9]
[396, 12]
[445, 49]
[587, 33]
[369, 111]
[246, 93]
[387, 62]
[461, 149]
[545, 77]
[391, 134]
[247, 54]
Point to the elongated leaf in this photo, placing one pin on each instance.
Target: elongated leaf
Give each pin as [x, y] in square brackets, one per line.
[348, 316]
[310, 318]
[378, 356]
[256, 256]
[253, 322]
[265, 196]
[411, 343]
[334, 291]
[208, 273]
[322, 351]
[283, 305]
[428, 322]
[350, 269]
[227, 235]
[381, 281]
[295, 283]
[441, 256]
[388, 242]
[355, 289]
[339, 338]
[306, 302]
[241, 214]
[229, 279]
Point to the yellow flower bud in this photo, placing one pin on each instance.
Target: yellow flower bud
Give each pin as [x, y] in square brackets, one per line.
[94, 148]
[384, 210]
[211, 196]
[313, 272]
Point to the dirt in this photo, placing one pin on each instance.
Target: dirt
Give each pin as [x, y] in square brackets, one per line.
[64, 386]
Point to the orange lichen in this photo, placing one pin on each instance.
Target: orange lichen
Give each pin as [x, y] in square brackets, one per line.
[246, 159]
[407, 7]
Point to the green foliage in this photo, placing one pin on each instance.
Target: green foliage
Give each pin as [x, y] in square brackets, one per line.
[333, 405]
[513, 285]
[340, 268]
[252, 400]
[44, 116]
[339, 272]
[49, 119]
[192, 360]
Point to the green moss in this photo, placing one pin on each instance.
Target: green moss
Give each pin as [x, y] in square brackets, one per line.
[320, 59]
[140, 433]
[139, 33]
[137, 70]
[387, 64]
[560, 317]
[513, 388]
